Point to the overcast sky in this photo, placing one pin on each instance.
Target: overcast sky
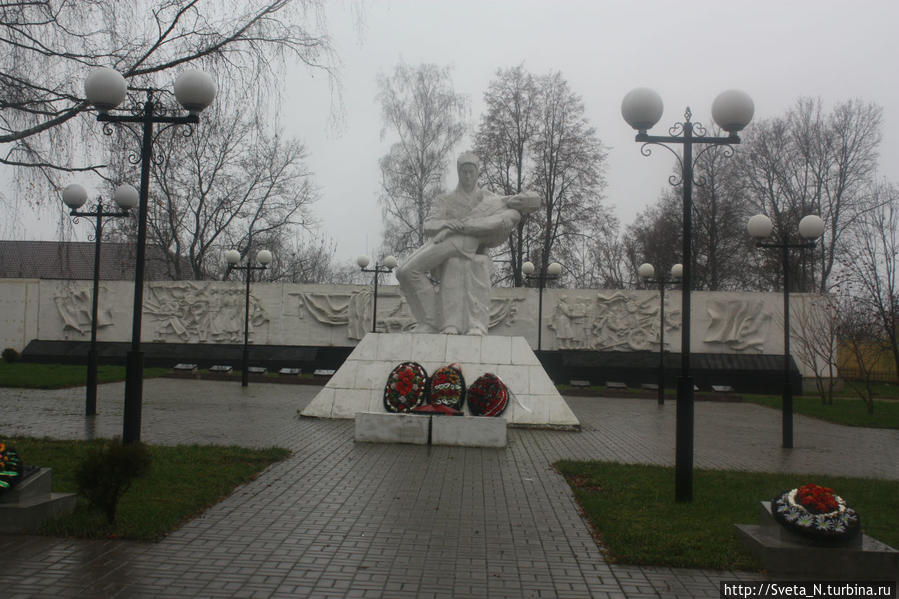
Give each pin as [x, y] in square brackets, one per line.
[688, 51]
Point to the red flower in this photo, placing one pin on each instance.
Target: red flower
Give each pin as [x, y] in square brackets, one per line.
[816, 498]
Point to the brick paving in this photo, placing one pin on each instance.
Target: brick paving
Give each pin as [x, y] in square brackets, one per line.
[340, 519]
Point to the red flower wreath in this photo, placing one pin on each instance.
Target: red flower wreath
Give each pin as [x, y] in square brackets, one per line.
[405, 387]
[488, 396]
[817, 513]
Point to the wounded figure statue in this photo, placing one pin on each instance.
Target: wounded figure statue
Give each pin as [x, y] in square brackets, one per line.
[462, 226]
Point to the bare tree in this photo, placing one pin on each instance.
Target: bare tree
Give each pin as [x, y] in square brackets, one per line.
[722, 251]
[863, 338]
[301, 260]
[236, 185]
[655, 236]
[872, 257]
[503, 140]
[48, 47]
[809, 162]
[535, 135]
[597, 260]
[420, 108]
[569, 163]
[815, 331]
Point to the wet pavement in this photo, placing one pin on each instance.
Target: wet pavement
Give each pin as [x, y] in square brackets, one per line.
[341, 519]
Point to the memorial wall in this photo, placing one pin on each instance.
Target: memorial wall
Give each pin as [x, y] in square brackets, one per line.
[340, 315]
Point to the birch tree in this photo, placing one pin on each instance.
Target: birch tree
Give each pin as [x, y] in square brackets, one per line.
[426, 118]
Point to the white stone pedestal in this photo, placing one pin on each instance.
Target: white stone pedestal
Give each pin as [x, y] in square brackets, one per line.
[430, 429]
[374, 427]
[358, 385]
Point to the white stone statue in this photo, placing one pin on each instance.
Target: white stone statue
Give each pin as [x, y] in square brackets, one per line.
[462, 225]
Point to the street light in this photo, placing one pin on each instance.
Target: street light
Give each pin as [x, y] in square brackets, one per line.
[386, 266]
[811, 227]
[732, 110]
[106, 89]
[263, 257]
[74, 196]
[552, 272]
[647, 273]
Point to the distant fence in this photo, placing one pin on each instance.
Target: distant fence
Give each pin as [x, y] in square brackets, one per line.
[884, 369]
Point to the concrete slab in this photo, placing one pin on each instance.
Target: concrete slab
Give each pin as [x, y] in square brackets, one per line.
[468, 431]
[374, 427]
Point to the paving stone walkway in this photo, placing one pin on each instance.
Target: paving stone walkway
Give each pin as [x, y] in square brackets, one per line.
[340, 519]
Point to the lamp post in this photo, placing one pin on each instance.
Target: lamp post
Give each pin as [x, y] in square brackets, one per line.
[74, 196]
[811, 227]
[647, 273]
[264, 258]
[106, 89]
[552, 272]
[732, 110]
[386, 266]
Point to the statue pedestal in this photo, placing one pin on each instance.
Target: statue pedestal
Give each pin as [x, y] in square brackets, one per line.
[358, 385]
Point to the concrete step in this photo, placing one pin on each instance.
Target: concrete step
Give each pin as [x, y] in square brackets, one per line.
[33, 485]
[31, 503]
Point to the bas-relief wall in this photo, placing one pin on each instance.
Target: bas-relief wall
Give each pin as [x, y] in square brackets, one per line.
[18, 312]
[340, 315]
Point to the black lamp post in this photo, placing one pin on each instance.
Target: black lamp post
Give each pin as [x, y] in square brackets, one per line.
[264, 258]
[74, 196]
[647, 273]
[732, 110]
[385, 267]
[810, 227]
[105, 89]
[552, 272]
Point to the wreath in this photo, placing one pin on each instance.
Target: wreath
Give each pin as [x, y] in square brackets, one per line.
[488, 396]
[446, 387]
[10, 467]
[817, 513]
[405, 387]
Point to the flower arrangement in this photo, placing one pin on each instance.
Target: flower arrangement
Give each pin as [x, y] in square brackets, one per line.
[816, 512]
[488, 396]
[405, 387]
[10, 467]
[447, 387]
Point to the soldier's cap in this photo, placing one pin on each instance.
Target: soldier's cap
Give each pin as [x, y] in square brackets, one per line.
[468, 158]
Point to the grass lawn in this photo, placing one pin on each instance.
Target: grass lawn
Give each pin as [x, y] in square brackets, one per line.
[56, 376]
[847, 411]
[183, 482]
[633, 513]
